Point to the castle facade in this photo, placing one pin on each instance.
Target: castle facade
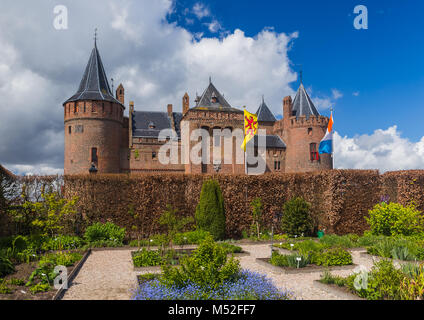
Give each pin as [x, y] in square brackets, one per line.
[99, 138]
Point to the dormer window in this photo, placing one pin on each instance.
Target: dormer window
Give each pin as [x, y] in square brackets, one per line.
[214, 98]
[152, 125]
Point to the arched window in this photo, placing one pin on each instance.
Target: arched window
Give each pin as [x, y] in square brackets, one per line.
[314, 156]
[94, 158]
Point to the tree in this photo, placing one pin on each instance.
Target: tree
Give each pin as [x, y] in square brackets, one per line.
[210, 211]
[257, 211]
[296, 218]
[173, 223]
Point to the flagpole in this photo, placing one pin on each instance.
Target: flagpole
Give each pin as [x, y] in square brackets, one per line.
[332, 140]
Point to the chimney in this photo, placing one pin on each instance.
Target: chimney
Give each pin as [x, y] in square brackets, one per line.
[287, 108]
[186, 103]
[130, 125]
[169, 109]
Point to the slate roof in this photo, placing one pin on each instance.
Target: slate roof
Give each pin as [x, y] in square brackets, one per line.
[205, 102]
[94, 84]
[264, 114]
[142, 121]
[272, 142]
[303, 105]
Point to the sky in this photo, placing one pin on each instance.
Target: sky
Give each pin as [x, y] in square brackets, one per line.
[372, 78]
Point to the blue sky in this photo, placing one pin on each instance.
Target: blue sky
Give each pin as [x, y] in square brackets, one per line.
[384, 64]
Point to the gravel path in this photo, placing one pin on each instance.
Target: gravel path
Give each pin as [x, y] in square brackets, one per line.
[109, 275]
[106, 275]
[300, 284]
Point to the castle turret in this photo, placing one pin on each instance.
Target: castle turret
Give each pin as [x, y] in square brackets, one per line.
[303, 129]
[93, 123]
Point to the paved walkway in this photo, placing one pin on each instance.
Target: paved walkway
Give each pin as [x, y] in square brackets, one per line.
[106, 275]
[109, 275]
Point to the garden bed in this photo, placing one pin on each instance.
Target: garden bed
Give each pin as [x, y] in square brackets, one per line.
[365, 254]
[23, 271]
[308, 269]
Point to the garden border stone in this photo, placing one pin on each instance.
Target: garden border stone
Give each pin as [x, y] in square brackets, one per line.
[308, 269]
[337, 291]
[61, 292]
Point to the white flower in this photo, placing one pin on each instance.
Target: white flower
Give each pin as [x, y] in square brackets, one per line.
[281, 243]
[24, 292]
[291, 245]
[151, 240]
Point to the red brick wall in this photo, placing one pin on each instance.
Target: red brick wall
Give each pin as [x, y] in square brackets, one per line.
[94, 124]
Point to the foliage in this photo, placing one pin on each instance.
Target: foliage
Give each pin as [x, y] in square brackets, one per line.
[328, 278]
[45, 270]
[146, 258]
[394, 219]
[401, 248]
[6, 266]
[99, 232]
[4, 289]
[62, 242]
[383, 282]
[39, 287]
[16, 282]
[46, 216]
[411, 270]
[346, 241]
[207, 266]
[292, 260]
[191, 237]
[412, 287]
[173, 223]
[210, 211]
[230, 248]
[257, 212]
[246, 286]
[296, 219]
[332, 257]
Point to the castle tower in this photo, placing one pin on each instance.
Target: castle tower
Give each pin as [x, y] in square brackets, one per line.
[93, 123]
[303, 130]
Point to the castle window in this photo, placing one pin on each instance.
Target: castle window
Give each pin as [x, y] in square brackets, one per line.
[93, 109]
[103, 107]
[277, 165]
[85, 108]
[314, 156]
[79, 128]
[70, 129]
[94, 158]
[153, 155]
[310, 131]
[75, 108]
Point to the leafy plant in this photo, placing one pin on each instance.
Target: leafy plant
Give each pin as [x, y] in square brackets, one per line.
[296, 219]
[394, 219]
[173, 223]
[146, 258]
[412, 288]
[332, 257]
[191, 237]
[104, 232]
[16, 282]
[292, 260]
[257, 210]
[328, 278]
[411, 270]
[230, 248]
[39, 287]
[402, 253]
[6, 266]
[208, 266]
[4, 289]
[210, 212]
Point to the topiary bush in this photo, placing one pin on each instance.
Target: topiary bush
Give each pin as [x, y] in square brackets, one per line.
[99, 232]
[210, 212]
[394, 219]
[296, 218]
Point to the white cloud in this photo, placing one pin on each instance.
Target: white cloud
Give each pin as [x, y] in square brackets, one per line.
[385, 150]
[157, 62]
[336, 94]
[201, 11]
[214, 26]
[356, 94]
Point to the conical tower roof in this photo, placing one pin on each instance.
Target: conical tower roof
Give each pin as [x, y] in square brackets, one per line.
[206, 101]
[94, 84]
[264, 114]
[303, 105]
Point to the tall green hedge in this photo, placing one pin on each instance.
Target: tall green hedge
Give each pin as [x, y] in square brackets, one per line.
[210, 212]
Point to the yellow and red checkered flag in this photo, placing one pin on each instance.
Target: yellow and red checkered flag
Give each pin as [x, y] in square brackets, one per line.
[250, 127]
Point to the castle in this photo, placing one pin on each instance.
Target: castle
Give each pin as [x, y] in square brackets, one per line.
[99, 138]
